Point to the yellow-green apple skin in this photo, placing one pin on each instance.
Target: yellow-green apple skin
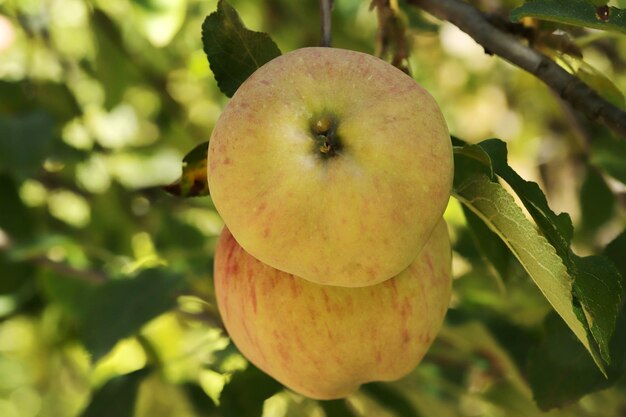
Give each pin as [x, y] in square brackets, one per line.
[331, 165]
[325, 341]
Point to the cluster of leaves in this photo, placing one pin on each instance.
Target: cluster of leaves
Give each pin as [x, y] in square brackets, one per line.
[586, 292]
[561, 45]
[580, 350]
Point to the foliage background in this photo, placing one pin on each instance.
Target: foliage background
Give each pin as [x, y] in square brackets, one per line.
[106, 299]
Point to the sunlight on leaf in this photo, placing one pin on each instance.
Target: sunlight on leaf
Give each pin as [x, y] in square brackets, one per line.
[498, 210]
[594, 78]
[558, 231]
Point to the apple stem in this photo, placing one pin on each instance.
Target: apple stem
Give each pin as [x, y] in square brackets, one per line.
[325, 12]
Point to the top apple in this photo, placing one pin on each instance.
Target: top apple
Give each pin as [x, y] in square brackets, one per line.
[331, 165]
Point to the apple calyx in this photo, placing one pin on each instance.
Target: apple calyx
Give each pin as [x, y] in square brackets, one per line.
[324, 130]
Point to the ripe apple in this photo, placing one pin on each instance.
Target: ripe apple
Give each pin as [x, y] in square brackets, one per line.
[325, 341]
[331, 165]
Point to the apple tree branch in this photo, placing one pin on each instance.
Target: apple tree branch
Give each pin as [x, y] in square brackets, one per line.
[497, 41]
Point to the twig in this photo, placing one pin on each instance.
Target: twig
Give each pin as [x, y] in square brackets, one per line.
[325, 11]
[498, 42]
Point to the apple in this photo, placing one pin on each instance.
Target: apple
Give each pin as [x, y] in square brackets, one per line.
[325, 341]
[331, 165]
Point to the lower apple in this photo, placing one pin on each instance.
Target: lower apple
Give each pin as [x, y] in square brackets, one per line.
[325, 341]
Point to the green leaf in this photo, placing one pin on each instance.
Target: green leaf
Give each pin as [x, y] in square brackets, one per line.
[234, 52]
[416, 19]
[598, 286]
[391, 399]
[336, 408]
[71, 293]
[593, 78]
[492, 204]
[15, 218]
[246, 392]
[202, 404]
[597, 202]
[558, 230]
[113, 65]
[56, 99]
[493, 249]
[597, 3]
[560, 371]
[17, 278]
[176, 234]
[572, 12]
[610, 154]
[601, 83]
[119, 308]
[193, 182]
[117, 397]
[107, 313]
[616, 250]
[26, 140]
[471, 159]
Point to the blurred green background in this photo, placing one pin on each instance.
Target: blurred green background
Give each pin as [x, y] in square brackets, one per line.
[99, 102]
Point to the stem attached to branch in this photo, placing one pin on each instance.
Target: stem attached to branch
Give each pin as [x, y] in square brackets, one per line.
[325, 11]
[498, 42]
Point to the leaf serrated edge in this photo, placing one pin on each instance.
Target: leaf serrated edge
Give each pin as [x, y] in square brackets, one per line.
[568, 316]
